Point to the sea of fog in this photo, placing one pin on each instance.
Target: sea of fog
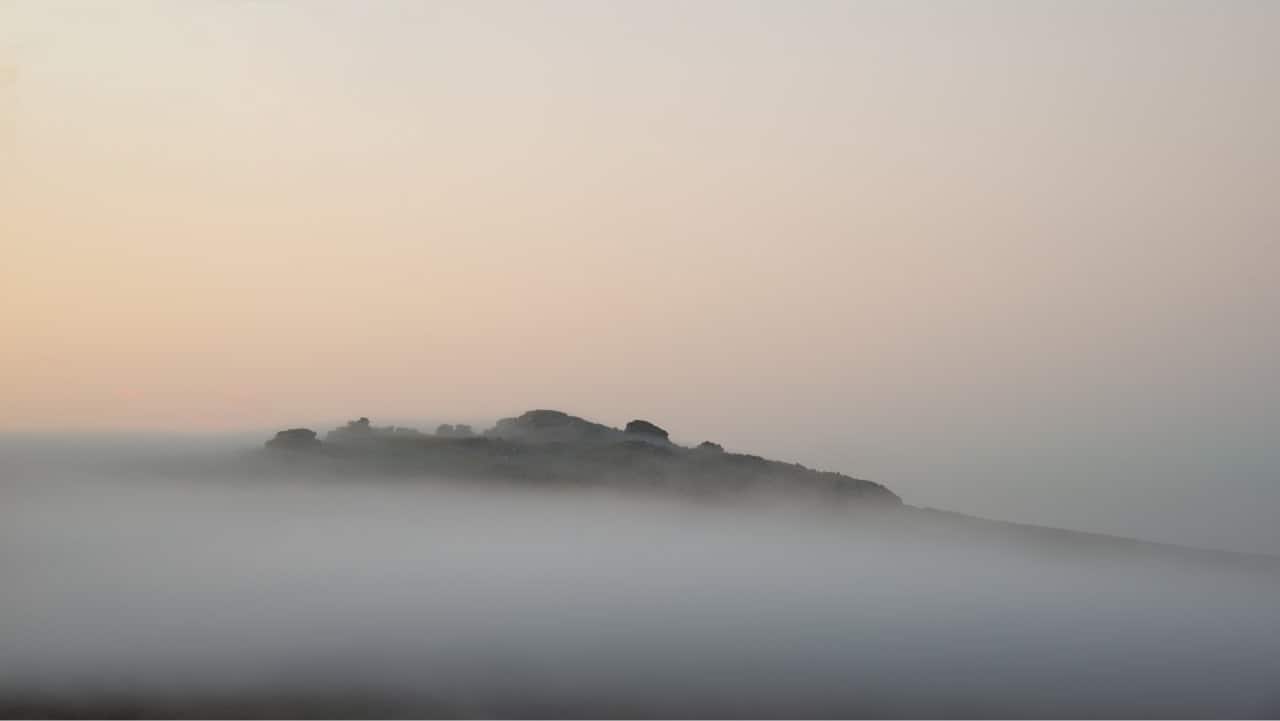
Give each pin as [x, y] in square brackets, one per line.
[128, 586]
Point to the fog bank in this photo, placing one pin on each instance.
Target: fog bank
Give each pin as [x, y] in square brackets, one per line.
[152, 590]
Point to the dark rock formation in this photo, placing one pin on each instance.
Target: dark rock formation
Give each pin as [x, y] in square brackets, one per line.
[645, 428]
[546, 447]
[294, 439]
[362, 431]
[547, 426]
[358, 428]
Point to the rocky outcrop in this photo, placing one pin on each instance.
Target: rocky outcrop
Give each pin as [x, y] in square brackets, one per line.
[552, 447]
[294, 439]
[645, 428]
[362, 431]
[359, 428]
[548, 426]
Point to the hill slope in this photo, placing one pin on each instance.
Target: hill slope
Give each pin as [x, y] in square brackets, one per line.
[552, 447]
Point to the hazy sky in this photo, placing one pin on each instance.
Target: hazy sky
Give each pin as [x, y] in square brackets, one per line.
[1010, 258]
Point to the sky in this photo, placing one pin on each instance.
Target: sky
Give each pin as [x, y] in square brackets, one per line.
[1013, 259]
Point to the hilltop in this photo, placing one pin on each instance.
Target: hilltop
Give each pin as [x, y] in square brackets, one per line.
[553, 447]
[550, 448]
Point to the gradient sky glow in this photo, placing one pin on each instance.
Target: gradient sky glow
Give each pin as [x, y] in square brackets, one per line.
[1012, 258]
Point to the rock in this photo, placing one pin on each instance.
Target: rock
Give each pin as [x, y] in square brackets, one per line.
[547, 426]
[547, 446]
[353, 429]
[294, 439]
[645, 428]
[362, 432]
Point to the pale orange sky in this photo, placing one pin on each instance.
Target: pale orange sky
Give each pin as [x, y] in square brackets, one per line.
[917, 239]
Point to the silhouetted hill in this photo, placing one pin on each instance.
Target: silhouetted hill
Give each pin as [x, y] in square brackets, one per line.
[553, 447]
[550, 448]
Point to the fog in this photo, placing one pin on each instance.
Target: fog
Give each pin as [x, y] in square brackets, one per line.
[152, 576]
